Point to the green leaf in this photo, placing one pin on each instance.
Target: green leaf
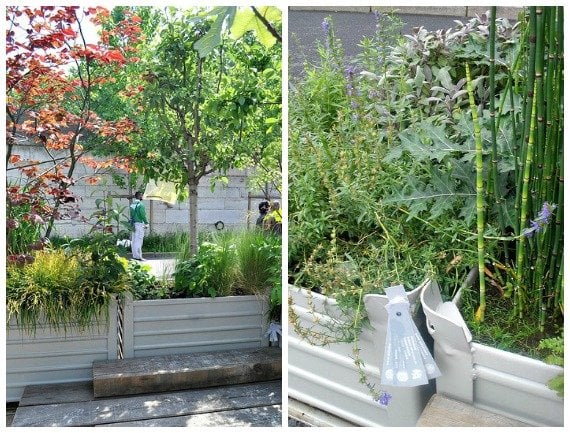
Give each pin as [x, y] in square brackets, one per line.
[426, 141]
[213, 37]
[443, 76]
[246, 20]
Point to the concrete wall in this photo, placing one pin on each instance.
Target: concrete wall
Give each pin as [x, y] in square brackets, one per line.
[235, 205]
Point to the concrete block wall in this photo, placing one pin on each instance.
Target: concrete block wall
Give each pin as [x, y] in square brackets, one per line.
[232, 204]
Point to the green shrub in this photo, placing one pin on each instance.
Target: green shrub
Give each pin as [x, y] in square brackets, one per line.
[233, 263]
[143, 285]
[165, 242]
[211, 272]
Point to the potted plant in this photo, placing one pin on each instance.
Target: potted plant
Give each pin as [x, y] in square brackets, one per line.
[218, 299]
[405, 194]
[61, 313]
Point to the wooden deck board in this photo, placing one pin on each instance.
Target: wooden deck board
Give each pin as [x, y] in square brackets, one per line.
[165, 405]
[446, 412]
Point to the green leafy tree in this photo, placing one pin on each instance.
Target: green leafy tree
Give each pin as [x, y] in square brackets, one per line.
[205, 113]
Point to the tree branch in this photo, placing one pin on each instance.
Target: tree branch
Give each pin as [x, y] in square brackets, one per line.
[266, 23]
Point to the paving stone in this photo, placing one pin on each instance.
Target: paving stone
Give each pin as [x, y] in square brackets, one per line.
[446, 412]
[263, 416]
[151, 406]
[177, 372]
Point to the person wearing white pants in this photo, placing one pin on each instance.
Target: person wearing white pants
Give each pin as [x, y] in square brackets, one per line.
[139, 221]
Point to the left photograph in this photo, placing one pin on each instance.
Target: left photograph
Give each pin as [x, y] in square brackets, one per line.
[143, 216]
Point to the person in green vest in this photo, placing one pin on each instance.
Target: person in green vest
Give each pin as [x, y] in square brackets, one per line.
[139, 221]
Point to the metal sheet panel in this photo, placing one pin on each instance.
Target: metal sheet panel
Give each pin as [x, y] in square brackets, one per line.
[161, 327]
[50, 356]
[514, 386]
[488, 378]
[327, 378]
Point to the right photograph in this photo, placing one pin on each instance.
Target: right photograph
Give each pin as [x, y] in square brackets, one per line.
[425, 216]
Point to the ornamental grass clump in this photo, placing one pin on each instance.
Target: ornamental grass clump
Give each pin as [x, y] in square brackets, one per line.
[58, 288]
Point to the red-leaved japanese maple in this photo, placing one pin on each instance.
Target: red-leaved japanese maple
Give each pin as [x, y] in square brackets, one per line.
[51, 71]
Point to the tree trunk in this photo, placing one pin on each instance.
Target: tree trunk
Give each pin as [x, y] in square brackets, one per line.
[193, 215]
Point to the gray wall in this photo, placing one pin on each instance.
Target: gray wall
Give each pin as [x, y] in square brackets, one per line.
[233, 204]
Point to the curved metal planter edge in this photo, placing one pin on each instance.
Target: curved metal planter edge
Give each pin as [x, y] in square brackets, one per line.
[327, 378]
[495, 380]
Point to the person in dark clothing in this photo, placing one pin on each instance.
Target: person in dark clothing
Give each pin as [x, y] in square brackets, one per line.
[263, 209]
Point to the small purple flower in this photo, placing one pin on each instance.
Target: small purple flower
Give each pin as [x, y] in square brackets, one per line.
[546, 212]
[542, 220]
[326, 25]
[384, 399]
[350, 71]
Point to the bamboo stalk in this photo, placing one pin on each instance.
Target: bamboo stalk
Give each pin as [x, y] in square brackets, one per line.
[529, 94]
[480, 314]
[538, 167]
[492, 182]
[494, 177]
[521, 246]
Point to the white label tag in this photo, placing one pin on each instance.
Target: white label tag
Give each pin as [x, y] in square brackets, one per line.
[407, 360]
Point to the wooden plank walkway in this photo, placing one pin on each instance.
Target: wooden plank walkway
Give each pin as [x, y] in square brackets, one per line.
[253, 404]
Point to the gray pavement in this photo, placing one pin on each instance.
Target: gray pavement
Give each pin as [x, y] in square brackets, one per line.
[160, 267]
[350, 27]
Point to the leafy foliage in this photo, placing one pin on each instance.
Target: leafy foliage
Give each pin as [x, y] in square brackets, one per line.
[143, 285]
[206, 113]
[348, 233]
[554, 347]
[382, 174]
[233, 263]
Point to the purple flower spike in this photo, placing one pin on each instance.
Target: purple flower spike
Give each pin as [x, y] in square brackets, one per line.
[546, 212]
[350, 71]
[325, 25]
[542, 220]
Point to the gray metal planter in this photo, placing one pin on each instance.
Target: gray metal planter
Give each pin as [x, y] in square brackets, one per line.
[491, 379]
[327, 378]
[176, 326]
[51, 356]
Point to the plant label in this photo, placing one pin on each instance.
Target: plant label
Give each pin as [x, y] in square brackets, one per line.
[407, 360]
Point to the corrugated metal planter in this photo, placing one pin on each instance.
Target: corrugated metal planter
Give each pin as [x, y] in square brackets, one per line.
[169, 326]
[491, 379]
[51, 356]
[327, 378]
